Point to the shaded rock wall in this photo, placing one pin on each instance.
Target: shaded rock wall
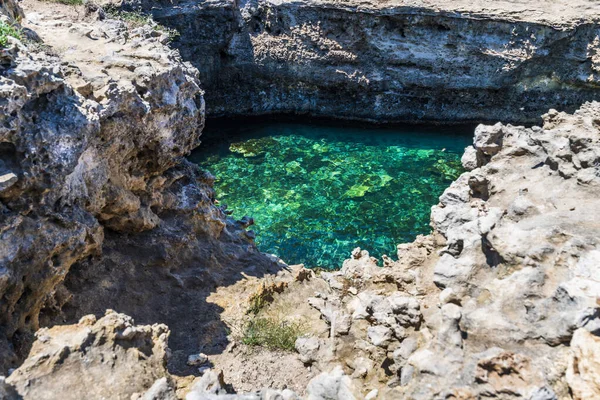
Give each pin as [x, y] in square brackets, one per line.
[387, 61]
[92, 146]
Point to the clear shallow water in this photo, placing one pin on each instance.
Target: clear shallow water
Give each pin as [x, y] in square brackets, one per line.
[318, 191]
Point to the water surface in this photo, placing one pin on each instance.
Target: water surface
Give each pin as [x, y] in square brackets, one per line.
[317, 191]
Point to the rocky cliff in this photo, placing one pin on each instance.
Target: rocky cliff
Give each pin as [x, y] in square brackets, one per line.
[500, 301]
[95, 123]
[99, 209]
[390, 60]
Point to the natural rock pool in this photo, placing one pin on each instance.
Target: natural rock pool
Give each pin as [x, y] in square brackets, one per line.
[317, 191]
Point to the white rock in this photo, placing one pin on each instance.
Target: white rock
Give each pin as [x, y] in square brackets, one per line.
[380, 336]
[307, 348]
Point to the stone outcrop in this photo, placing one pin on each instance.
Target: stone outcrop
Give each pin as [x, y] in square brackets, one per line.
[583, 373]
[95, 123]
[99, 209]
[106, 358]
[390, 60]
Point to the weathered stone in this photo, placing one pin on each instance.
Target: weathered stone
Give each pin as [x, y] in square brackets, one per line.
[450, 61]
[307, 348]
[197, 359]
[379, 335]
[107, 364]
[583, 374]
[331, 385]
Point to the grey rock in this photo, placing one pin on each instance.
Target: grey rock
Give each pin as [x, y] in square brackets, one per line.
[379, 335]
[307, 348]
[107, 365]
[260, 57]
[197, 359]
[334, 385]
[407, 347]
[406, 375]
[7, 180]
[160, 390]
[469, 159]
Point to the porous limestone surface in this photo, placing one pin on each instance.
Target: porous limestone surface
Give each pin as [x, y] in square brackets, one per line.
[96, 117]
[500, 301]
[100, 210]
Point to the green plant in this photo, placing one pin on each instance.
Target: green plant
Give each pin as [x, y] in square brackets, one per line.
[272, 333]
[257, 302]
[135, 19]
[7, 30]
[69, 2]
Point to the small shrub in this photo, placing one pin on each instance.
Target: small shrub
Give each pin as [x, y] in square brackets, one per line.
[7, 30]
[257, 302]
[272, 333]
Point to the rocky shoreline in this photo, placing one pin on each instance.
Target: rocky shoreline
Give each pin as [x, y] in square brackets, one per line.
[101, 211]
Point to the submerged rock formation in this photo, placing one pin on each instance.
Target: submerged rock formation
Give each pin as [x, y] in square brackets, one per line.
[390, 60]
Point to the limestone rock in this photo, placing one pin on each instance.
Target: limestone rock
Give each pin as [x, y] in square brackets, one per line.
[264, 57]
[307, 348]
[160, 390]
[107, 363]
[334, 385]
[583, 374]
[197, 359]
[379, 335]
[92, 176]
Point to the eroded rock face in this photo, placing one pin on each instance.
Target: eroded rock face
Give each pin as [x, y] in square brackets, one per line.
[500, 301]
[94, 125]
[583, 373]
[106, 358]
[394, 60]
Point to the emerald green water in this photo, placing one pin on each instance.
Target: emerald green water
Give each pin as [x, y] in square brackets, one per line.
[318, 191]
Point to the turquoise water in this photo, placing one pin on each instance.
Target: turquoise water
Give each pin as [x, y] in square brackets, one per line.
[318, 191]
